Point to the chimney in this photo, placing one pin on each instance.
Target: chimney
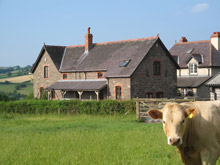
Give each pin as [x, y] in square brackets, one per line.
[215, 40]
[183, 39]
[88, 40]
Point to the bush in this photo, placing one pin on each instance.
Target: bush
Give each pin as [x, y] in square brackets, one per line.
[68, 107]
[4, 97]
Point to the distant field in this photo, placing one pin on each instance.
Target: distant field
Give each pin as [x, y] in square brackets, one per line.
[18, 79]
[7, 88]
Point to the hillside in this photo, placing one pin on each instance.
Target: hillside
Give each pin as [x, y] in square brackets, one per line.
[15, 82]
[7, 72]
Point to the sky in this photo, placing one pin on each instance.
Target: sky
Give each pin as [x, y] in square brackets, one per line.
[25, 25]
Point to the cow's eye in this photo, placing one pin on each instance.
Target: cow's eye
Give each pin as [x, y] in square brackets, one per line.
[164, 122]
[183, 121]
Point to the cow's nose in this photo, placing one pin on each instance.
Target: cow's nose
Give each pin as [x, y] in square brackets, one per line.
[174, 141]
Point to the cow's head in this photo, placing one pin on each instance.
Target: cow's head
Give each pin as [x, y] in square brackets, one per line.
[174, 117]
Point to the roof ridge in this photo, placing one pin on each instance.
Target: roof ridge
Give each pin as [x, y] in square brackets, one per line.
[190, 42]
[110, 42]
[55, 45]
[73, 46]
[129, 40]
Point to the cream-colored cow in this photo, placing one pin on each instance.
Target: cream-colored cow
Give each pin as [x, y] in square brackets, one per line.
[194, 128]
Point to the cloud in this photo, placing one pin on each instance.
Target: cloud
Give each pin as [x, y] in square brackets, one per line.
[200, 7]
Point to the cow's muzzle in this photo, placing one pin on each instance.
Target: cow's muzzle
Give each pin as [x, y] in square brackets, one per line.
[174, 141]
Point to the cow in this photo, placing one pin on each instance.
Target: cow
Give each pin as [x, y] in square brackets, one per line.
[194, 128]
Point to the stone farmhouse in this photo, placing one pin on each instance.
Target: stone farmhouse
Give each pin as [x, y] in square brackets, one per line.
[110, 70]
[198, 61]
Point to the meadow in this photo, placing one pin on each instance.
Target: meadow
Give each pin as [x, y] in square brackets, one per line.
[82, 139]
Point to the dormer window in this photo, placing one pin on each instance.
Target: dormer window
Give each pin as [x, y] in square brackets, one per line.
[193, 69]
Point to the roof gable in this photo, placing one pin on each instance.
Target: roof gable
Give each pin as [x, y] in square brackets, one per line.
[55, 53]
[197, 57]
[215, 81]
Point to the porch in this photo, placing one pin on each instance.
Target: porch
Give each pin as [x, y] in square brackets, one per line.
[79, 89]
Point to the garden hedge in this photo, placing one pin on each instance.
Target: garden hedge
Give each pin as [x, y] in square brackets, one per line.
[67, 107]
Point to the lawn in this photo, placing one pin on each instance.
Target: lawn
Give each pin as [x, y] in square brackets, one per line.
[82, 139]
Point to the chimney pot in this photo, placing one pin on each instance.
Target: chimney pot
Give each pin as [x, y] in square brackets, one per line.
[183, 39]
[215, 35]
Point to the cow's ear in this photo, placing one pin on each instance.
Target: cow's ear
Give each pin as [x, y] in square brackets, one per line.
[155, 114]
[190, 113]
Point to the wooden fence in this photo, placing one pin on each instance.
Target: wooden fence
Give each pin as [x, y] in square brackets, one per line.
[143, 105]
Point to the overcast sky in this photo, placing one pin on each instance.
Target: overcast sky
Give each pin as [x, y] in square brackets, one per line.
[26, 24]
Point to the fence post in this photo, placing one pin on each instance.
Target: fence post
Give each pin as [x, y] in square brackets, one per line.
[137, 109]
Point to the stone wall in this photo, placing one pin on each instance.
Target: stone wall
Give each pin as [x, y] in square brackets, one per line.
[125, 86]
[40, 81]
[143, 80]
[81, 75]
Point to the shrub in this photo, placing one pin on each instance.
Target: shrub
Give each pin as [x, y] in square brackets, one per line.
[67, 107]
[4, 97]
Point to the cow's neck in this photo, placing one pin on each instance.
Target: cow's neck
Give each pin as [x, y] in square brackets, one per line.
[187, 148]
[189, 133]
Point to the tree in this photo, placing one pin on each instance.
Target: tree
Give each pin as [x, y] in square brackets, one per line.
[9, 74]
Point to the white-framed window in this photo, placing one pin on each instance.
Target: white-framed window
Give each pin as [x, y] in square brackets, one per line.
[192, 68]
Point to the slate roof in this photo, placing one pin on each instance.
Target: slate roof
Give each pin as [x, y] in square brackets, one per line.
[191, 82]
[75, 85]
[215, 81]
[55, 53]
[106, 56]
[202, 48]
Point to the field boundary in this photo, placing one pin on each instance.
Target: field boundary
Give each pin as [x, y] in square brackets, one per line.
[144, 105]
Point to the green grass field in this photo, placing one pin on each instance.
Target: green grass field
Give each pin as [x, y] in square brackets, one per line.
[82, 139]
[6, 88]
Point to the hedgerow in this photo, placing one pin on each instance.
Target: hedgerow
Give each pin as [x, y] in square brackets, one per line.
[67, 107]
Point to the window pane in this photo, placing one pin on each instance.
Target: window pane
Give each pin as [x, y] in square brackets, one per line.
[156, 67]
[118, 92]
[149, 95]
[193, 68]
[159, 95]
[46, 72]
[100, 75]
[64, 76]
[125, 63]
